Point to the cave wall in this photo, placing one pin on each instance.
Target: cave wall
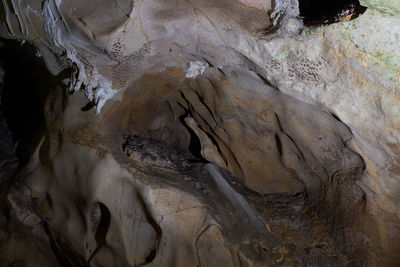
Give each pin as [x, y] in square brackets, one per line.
[237, 74]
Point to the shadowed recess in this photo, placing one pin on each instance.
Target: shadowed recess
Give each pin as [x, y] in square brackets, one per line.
[315, 12]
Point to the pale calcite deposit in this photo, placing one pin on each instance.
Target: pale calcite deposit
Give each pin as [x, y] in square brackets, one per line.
[209, 133]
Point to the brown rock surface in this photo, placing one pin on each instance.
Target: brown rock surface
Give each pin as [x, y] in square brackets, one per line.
[203, 133]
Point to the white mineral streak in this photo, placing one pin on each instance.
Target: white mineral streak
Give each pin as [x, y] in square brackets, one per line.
[103, 93]
[195, 69]
[97, 87]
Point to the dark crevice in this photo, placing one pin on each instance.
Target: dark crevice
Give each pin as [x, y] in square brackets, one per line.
[208, 62]
[27, 84]
[209, 135]
[201, 99]
[265, 80]
[102, 229]
[63, 251]
[49, 200]
[89, 106]
[316, 12]
[279, 122]
[221, 71]
[153, 252]
[104, 224]
[278, 144]
[335, 116]
[8, 160]
[195, 144]
[151, 256]
[189, 105]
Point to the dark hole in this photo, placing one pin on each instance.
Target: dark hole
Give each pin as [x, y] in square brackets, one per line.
[49, 200]
[151, 256]
[104, 224]
[27, 83]
[102, 229]
[89, 106]
[278, 144]
[195, 144]
[316, 12]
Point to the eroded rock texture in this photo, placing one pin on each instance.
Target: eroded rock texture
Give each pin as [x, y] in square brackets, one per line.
[203, 133]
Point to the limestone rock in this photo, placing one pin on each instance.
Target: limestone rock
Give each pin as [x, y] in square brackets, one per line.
[205, 133]
[390, 7]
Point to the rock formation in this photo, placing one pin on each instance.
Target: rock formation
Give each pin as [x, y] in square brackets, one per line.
[200, 133]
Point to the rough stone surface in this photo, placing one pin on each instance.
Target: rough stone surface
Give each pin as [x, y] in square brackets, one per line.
[386, 6]
[208, 133]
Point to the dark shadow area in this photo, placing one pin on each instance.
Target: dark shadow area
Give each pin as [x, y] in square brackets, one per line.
[8, 160]
[65, 254]
[195, 143]
[27, 83]
[104, 224]
[316, 12]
